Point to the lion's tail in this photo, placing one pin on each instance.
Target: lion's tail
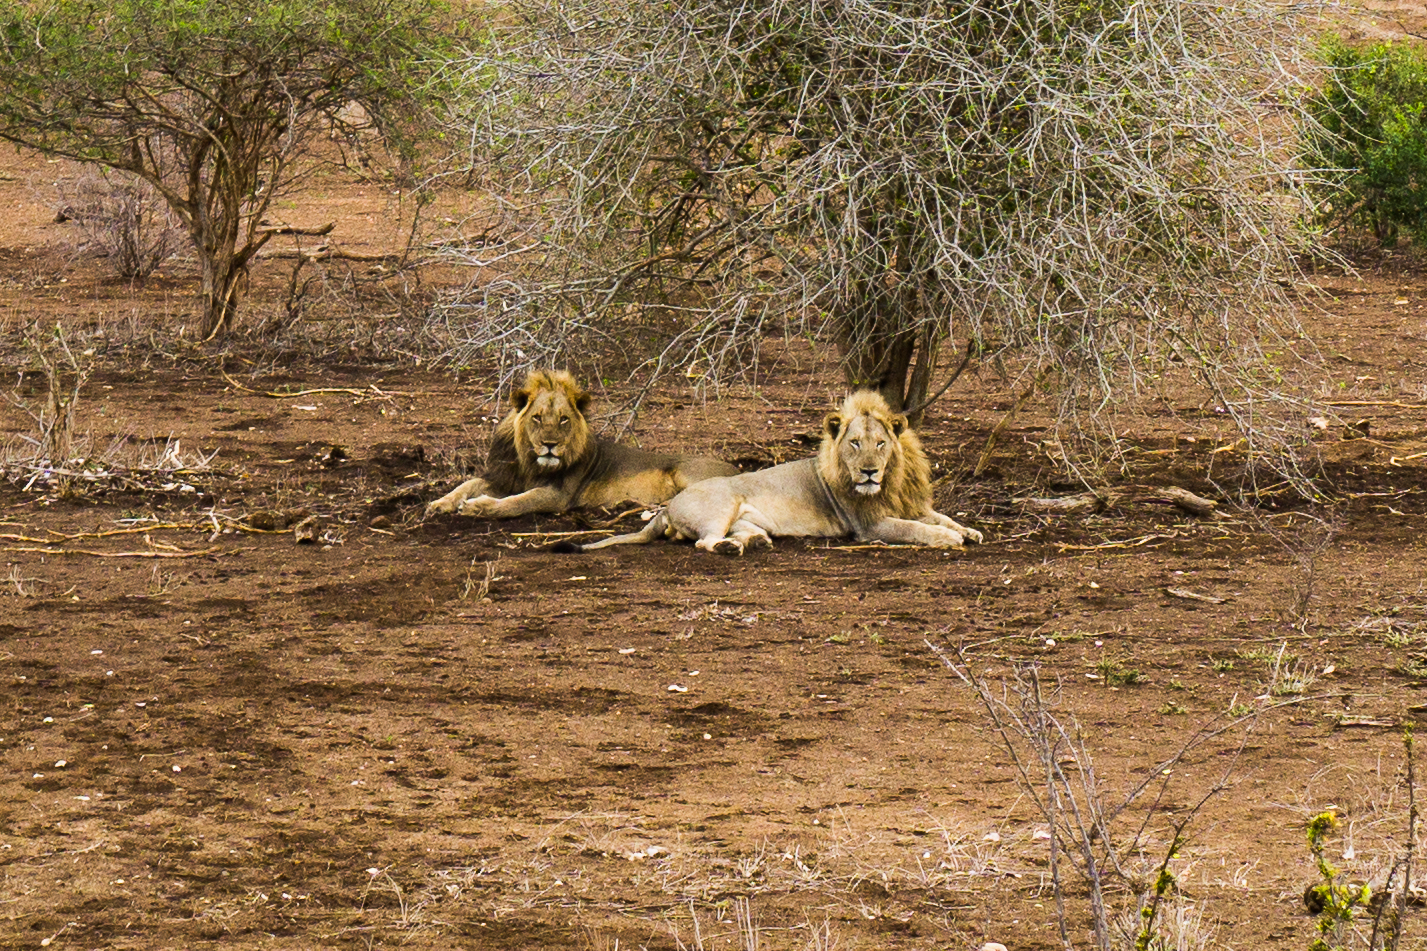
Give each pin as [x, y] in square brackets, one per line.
[657, 527]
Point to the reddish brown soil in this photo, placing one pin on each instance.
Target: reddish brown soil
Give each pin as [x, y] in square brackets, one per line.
[433, 733]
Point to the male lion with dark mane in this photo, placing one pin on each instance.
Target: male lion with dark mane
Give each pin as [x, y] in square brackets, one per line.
[870, 480]
[543, 458]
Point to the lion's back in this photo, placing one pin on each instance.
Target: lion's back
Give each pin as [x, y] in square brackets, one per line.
[614, 472]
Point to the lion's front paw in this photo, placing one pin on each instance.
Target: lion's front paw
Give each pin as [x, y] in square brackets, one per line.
[482, 506]
[722, 546]
[444, 505]
[972, 535]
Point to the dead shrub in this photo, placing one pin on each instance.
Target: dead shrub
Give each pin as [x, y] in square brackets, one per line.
[123, 219]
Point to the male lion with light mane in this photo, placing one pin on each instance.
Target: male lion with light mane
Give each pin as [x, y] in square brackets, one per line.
[543, 458]
[870, 480]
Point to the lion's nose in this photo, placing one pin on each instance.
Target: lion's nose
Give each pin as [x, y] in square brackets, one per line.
[870, 473]
[550, 447]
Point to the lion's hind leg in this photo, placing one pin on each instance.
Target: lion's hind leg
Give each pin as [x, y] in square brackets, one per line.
[721, 546]
[726, 536]
[750, 534]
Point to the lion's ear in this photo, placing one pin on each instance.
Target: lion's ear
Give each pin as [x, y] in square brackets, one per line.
[521, 397]
[582, 401]
[899, 424]
[832, 424]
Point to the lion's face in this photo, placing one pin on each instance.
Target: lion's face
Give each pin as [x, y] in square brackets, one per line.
[868, 448]
[552, 430]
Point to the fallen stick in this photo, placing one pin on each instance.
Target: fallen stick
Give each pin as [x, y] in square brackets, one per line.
[1395, 403]
[118, 554]
[1129, 543]
[1188, 595]
[1095, 501]
[173, 526]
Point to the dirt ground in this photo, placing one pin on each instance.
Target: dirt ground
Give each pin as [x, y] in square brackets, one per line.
[433, 733]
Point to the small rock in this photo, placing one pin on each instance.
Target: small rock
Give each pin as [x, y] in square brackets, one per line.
[993, 946]
[381, 521]
[305, 531]
[265, 521]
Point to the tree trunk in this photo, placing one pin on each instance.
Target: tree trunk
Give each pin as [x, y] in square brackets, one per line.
[220, 291]
[928, 349]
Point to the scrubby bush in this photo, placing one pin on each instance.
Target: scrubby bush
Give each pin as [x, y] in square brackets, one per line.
[1372, 109]
[123, 218]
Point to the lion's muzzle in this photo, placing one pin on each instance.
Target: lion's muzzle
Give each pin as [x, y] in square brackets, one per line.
[869, 482]
[546, 458]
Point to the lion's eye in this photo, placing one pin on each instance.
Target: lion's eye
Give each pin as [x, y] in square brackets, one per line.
[564, 420]
[881, 444]
[856, 444]
[536, 417]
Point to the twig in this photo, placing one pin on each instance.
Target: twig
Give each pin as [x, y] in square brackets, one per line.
[585, 531]
[1001, 427]
[1375, 403]
[273, 394]
[1129, 543]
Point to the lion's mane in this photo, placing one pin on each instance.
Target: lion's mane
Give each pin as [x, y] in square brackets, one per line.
[510, 460]
[906, 483]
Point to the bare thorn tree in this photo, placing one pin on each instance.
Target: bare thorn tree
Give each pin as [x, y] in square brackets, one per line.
[1098, 188]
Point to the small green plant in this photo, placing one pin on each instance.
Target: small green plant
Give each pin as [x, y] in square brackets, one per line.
[1397, 638]
[1116, 674]
[1265, 656]
[1240, 710]
[1288, 676]
[1221, 664]
[1171, 708]
[1414, 667]
[1164, 885]
[1334, 901]
[1371, 115]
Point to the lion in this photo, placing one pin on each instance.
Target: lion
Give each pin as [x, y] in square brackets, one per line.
[870, 480]
[543, 458]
